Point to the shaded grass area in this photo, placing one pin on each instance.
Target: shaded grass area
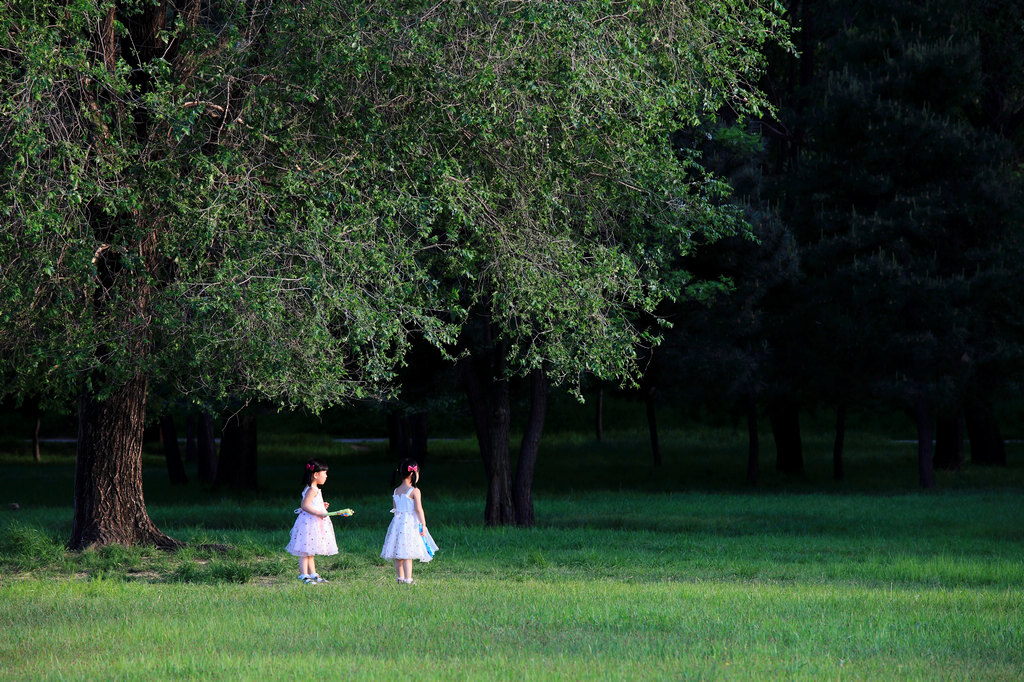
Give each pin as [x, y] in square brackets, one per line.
[962, 539]
[631, 572]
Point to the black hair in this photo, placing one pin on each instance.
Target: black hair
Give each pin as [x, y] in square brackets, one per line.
[312, 466]
[404, 467]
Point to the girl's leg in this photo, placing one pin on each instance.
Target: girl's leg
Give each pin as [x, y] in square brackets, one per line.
[303, 565]
[399, 569]
[312, 566]
[408, 569]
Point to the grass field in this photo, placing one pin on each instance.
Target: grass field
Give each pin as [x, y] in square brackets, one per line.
[631, 573]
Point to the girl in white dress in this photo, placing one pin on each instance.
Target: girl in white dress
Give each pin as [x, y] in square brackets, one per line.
[313, 532]
[407, 537]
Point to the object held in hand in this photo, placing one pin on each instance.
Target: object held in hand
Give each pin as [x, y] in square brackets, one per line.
[341, 512]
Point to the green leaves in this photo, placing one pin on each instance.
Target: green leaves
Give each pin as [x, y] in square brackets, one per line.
[271, 211]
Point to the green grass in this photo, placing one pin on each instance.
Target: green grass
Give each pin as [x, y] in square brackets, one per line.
[482, 628]
[631, 572]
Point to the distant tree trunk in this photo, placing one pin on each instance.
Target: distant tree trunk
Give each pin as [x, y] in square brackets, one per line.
[987, 445]
[652, 424]
[599, 414]
[949, 440]
[109, 505]
[36, 415]
[37, 451]
[407, 435]
[236, 466]
[206, 450]
[398, 438]
[840, 441]
[785, 420]
[172, 454]
[488, 393]
[417, 430]
[925, 434]
[753, 444]
[190, 438]
[523, 490]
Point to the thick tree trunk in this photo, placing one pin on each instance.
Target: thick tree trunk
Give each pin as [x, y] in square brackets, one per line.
[838, 472]
[488, 393]
[172, 453]
[206, 449]
[949, 440]
[599, 415]
[109, 505]
[652, 424]
[987, 445]
[236, 466]
[523, 491]
[925, 435]
[753, 443]
[785, 420]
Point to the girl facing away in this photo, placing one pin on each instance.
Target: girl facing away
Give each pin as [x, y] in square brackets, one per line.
[407, 537]
[313, 532]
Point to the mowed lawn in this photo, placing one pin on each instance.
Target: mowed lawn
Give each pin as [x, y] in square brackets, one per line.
[631, 573]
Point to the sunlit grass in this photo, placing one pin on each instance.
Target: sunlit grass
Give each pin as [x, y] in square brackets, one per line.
[508, 629]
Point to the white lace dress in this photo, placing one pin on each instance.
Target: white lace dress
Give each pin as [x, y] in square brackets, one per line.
[403, 540]
[312, 534]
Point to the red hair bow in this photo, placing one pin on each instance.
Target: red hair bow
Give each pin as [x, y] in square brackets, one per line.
[310, 467]
[414, 468]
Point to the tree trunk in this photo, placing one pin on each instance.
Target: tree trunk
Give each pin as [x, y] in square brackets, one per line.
[416, 427]
[109, 505]
[949, 440]
[523, 491]
[37, 418]
[236, 466]
[398, 438]
[500, 508]
[599, 415]
[652, 424]
[172, 454]
[753, 443]
[987, 445]
[206, 450]
[190, 439]
[925, 434]
[785, 421]
[838, 472]
[488, 394]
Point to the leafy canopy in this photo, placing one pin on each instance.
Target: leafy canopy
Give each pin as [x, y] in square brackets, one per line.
[278, 195]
